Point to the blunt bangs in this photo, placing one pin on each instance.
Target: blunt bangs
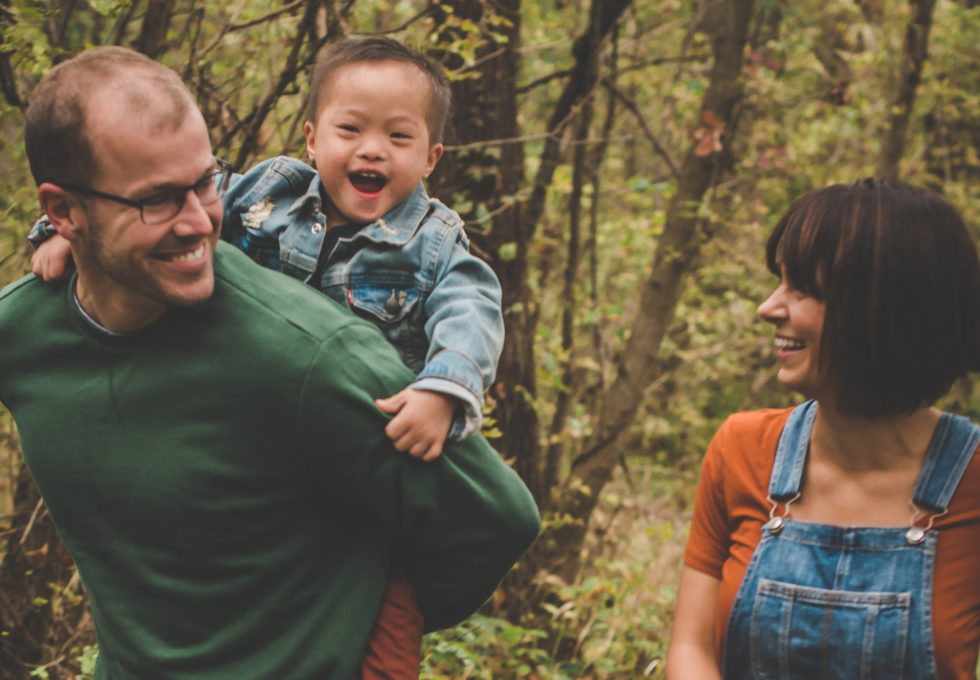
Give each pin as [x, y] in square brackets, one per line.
[805, 243]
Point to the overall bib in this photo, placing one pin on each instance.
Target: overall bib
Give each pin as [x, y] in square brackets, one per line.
[842, 602]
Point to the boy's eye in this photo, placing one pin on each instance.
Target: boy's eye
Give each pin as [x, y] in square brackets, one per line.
[401, 135]
[348, 128]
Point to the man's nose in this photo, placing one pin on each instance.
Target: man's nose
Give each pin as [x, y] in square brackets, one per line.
[195, 218]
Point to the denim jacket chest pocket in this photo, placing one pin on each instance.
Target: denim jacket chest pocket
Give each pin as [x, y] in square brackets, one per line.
[393, 303]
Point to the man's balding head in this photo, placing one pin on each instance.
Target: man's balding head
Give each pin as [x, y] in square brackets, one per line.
[57, 138]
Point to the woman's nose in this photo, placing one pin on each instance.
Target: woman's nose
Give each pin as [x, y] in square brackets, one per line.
[772, 309]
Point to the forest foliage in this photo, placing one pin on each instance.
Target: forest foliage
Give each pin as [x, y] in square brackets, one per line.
[619, 163]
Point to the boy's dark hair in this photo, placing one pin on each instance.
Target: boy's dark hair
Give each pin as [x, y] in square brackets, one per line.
[351, 51]
[56, 135]
[899, 275]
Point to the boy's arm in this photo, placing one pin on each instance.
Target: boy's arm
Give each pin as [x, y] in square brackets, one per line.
[465, 329]
[52, 259]
[461, 520]
[262, 204]
[421, 421]
[52, 253]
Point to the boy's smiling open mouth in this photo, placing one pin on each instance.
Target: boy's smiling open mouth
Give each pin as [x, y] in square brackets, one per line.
[367, 182]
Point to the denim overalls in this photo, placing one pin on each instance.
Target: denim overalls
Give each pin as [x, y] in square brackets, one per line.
[834, 602]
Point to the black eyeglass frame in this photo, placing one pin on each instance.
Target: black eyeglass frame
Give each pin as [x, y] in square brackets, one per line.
[220, 177]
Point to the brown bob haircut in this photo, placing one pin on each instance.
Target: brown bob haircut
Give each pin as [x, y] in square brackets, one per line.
[56, 135]
[350, 51]
[899, 275]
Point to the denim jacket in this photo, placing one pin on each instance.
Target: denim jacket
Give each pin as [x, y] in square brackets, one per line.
[410, 273]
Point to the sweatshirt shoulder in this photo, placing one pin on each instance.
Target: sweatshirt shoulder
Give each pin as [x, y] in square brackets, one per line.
[267, 296]
[18, 287]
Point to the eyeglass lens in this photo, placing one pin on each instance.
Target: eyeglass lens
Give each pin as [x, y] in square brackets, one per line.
[168, 204]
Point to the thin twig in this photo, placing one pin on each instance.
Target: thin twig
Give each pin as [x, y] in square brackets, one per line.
[661, 149]
[30, 524]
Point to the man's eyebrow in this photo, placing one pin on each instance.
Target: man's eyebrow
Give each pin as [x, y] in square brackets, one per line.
[172, 186]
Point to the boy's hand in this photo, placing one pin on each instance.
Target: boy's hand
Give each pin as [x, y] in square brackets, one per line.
[50, 260]
[421, 422]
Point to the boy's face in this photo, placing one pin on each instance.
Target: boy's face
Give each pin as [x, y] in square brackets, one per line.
[370, 140]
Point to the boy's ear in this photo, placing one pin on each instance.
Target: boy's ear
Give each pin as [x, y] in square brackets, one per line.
[435, 153]
[310, 131]
[62, 210]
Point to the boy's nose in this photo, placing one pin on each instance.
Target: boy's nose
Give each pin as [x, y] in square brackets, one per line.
[371, 147]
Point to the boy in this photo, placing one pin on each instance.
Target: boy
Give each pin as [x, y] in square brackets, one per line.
[362, 229]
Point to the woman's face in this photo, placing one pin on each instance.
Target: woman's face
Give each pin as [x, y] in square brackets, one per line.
[798, 322]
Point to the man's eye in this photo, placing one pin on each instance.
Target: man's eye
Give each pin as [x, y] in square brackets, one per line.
[158, 200]
[204, 184]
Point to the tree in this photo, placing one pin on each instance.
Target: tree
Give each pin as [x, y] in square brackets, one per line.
[914, 56]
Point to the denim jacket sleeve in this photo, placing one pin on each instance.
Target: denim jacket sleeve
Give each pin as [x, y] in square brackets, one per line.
[259, 206]
[464, 325]
[41, 232]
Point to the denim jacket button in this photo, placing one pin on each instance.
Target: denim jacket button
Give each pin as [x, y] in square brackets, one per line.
[316, 228]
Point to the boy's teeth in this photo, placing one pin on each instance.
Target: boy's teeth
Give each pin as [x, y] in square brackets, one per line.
[786, 343]
[368, 182]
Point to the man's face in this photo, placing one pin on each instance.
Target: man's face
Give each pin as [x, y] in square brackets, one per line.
[370, 140]
[130, 271]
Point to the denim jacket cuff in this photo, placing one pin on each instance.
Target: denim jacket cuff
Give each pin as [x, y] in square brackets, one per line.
[41, 232]
[469, 418]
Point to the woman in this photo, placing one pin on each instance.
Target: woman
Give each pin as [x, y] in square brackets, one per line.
[841, 539]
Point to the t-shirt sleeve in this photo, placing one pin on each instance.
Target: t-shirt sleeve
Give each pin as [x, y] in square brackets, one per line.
[709, 538]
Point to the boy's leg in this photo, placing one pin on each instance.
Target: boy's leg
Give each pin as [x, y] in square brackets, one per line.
[394, 651]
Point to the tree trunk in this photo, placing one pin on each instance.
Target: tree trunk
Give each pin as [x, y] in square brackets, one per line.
[674, 258]
[152, 40]
[913, 61]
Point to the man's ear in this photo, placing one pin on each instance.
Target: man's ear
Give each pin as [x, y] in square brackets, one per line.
[62, 209]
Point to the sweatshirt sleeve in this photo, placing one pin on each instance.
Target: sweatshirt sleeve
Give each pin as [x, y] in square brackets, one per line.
[460, 522]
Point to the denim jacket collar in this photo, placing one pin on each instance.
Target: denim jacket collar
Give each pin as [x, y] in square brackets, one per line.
[394, 228]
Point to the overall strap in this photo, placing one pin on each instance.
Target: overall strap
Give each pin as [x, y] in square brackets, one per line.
[787, 470]
[950, 450]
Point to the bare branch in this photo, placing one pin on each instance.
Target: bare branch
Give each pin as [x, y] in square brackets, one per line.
[648, 133]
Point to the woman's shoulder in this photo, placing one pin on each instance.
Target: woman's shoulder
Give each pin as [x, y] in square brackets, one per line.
[754, 428]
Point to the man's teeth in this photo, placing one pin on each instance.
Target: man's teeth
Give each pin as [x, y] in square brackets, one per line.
[188, 256]
[786, 343]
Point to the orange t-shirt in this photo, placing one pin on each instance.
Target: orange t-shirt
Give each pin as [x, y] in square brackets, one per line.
[731, 508]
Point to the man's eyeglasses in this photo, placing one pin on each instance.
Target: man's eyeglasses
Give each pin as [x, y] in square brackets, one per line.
[167, 204]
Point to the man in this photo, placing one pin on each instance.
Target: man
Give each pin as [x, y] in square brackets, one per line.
[203, 430]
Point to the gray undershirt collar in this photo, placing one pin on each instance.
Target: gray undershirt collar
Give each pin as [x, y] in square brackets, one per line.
[78, 303]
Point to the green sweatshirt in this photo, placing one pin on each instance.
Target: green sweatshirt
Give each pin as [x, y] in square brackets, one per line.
[223, 480]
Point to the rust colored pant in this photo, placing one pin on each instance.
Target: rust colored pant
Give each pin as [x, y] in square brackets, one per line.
[394, 651]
